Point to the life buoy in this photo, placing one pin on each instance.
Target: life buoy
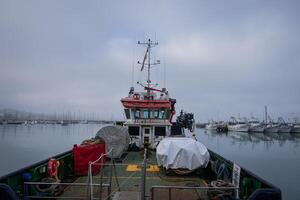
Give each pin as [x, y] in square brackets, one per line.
[53, 165]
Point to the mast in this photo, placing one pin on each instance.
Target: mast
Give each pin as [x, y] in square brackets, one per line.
[266, 115]
[149, 44]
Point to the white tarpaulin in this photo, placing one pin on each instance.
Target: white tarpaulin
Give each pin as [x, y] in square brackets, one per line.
[185, 153]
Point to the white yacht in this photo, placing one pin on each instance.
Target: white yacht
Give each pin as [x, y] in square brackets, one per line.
[238, 126]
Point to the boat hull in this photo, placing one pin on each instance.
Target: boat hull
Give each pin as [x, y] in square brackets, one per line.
[211, 127]
[16, 183]
[238, 128]
[286, 129]
[257, 129]
[273, 129]
[295, 129]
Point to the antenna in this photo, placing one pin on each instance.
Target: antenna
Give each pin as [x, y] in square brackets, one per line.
[132, 73]
[165, 75]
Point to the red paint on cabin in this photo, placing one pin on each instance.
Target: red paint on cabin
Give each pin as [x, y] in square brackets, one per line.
[134, 103]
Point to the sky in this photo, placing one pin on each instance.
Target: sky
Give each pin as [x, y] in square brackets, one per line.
[218, 58]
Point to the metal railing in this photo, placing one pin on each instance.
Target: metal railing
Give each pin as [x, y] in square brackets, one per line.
[90, 175]
[89, 183]
[60, 184]
[170, 188]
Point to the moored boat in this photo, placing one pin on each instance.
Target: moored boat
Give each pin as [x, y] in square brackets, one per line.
[283, 126]
[211, 126]
[271, 126]
[237, 126]
[296, 128]
[256, 125]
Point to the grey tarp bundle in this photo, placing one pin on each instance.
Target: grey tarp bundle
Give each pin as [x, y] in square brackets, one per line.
[116, 138]
[181, 153]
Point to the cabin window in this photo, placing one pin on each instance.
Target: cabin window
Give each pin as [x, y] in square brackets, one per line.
[161, 114]
[167, 115]
[137, 114]
[127, 113]
[160, 131]
[155, 114]
[134, 130]
[145, 114]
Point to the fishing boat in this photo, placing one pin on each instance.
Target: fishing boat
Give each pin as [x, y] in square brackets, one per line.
[211, 126]
[283, 126]
[256, 125]
[271, 126]
[296, 125]
[237, 126]
[148, 157]
[296, 128]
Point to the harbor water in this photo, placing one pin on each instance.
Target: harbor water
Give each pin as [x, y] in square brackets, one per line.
[274, 157]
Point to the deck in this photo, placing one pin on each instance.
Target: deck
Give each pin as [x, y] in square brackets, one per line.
[126, 173]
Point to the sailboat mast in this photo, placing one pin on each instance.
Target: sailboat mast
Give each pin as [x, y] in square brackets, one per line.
[266, 114]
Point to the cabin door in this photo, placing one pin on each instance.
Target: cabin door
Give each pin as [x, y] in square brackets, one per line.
[146, 135]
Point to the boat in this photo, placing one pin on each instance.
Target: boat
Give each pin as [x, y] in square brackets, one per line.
[131, 161]
[271, 127]
[256, 125]
[237, 126]
[283, 126]
[211, 126]
[296, 125]
[296, 128]
[216, 126]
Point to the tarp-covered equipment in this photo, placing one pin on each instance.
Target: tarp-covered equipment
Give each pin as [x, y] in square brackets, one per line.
[116, 140]
[181, 153]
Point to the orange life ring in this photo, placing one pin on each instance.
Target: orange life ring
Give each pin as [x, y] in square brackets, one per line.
[53, 165]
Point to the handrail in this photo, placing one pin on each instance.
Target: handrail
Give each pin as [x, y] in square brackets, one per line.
[169, 188]
[90, 175]
[57, 183]
[101, 156]
[188, 187]
[64, 184]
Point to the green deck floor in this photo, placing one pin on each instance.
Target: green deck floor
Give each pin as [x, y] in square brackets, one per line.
[130, 181]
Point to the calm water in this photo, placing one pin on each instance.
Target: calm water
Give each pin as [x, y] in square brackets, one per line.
[274, 157]
[22, 145]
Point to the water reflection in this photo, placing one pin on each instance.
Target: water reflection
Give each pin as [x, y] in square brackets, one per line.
[22, 145]
[272, 156]
[268, 139]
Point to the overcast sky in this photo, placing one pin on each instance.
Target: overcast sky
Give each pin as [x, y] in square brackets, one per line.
[221, 58]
